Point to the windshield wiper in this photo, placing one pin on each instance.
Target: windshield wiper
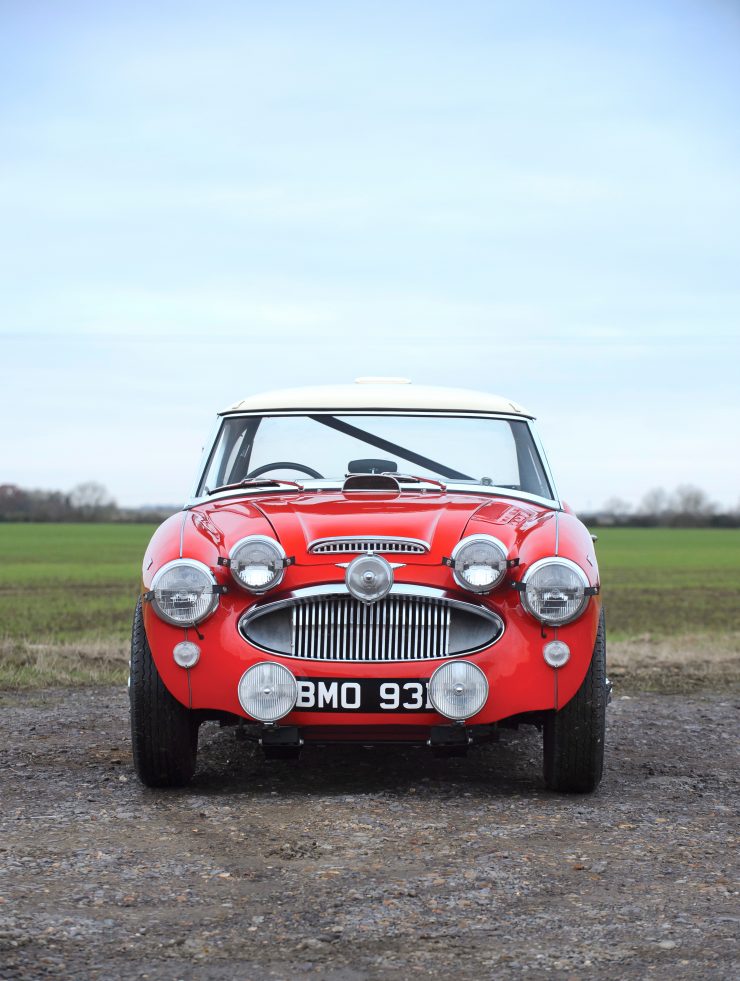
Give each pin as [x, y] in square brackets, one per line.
[415, 479]
[253, 482]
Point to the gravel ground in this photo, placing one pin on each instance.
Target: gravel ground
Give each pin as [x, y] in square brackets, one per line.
[366, 864]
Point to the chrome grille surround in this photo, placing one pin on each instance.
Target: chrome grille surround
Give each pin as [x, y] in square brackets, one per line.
[368, 543]
[410, 624]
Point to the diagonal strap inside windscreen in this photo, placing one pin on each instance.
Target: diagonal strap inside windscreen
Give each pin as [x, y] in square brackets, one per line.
[383, 444]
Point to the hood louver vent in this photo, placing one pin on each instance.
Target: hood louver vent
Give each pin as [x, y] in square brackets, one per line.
[357, 545]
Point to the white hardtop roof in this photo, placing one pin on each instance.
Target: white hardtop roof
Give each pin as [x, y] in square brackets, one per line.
[378, 395]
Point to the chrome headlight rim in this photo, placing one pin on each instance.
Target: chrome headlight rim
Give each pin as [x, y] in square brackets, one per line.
[263, 540]
[569, 564]
[179, 564]
[469, 540]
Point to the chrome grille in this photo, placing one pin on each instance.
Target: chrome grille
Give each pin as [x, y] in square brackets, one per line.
[341, 546]
[398, 628]
[328, 624]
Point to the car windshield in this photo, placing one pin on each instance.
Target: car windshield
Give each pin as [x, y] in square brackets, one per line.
[453, 449]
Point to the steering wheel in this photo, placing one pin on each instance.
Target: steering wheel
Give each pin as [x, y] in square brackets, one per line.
[283, 465]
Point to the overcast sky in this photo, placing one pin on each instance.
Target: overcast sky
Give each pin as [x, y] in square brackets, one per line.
[202, 201]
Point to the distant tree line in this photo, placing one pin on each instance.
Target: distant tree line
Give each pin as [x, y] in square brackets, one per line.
[685, 507]
[88, 501]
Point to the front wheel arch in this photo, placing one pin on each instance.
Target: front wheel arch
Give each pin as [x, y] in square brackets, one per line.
[573, 737]
[164, 734]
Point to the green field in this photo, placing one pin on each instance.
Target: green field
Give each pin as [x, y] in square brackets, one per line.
[67, 595]
[670, 580]
[67, 582]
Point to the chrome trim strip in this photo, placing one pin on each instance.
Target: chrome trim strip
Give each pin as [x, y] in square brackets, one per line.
[182, 531]
[339, 588]
[393, 565]
[384, 411]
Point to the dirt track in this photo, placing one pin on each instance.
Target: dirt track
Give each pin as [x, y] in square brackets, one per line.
[366, 864]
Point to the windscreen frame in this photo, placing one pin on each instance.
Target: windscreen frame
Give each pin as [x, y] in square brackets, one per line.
[553, 501]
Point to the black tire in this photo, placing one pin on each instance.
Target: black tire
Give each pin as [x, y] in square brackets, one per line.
[164, 734]
[573, 738]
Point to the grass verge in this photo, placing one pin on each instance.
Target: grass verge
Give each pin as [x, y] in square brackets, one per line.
[59, 665]
[681, 664]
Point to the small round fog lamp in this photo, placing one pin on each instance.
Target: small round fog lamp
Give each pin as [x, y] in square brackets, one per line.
[458, 690]
[267, 691]
[556, 653]
[186, 654]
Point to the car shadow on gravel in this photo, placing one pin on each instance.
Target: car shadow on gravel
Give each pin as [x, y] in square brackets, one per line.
[228, 765]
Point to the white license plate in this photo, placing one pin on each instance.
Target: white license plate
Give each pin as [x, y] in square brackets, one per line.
[363, 695]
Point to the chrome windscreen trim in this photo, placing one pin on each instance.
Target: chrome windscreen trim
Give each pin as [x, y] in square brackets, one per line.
[545, 462]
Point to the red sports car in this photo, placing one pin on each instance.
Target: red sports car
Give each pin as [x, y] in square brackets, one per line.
[377, 562]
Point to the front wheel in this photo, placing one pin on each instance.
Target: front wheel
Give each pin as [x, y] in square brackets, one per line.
[164, 734]
[573, 737]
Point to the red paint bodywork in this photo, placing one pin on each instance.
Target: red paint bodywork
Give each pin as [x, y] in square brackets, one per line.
[519, 679]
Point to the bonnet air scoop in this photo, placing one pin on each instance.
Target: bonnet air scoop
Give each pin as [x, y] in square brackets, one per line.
[371, 482]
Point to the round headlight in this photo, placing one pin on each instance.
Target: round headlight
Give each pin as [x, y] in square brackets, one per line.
[479, 563]
[369, 578]
[267, 691]
[458, 690]
[555, 590]
[182, 592]
[257, 563]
